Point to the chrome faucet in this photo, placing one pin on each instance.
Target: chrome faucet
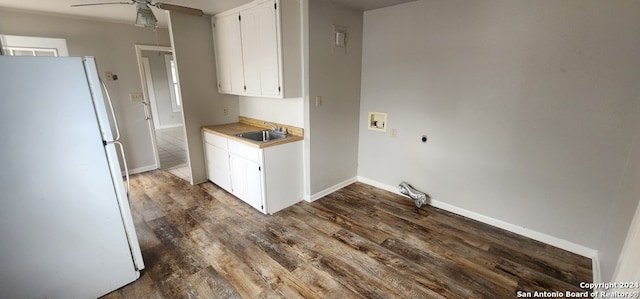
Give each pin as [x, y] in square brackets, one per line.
[273, 127]
[276, 128]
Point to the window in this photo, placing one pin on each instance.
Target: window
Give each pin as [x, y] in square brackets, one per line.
[173, 82]
[14, 45]
[17, 51]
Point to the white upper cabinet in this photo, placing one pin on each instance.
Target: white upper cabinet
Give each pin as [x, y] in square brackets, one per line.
[228, 47]
[260, 49]
[251, 50]
[268, 44]
[269, 61]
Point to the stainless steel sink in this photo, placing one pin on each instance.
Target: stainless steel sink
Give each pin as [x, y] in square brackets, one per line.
[262, 136]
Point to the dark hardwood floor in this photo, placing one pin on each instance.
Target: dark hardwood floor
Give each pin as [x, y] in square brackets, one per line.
[201, 242]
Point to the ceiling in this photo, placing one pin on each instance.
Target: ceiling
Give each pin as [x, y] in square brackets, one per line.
[126, 13]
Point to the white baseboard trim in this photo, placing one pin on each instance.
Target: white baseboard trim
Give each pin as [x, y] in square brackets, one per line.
[538, 236]
[141, 169]
[330, 190]
[595, 268]
[200, 182]
[169, 126]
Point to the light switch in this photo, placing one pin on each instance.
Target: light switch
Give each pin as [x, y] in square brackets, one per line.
[339, 36]
[318, 101]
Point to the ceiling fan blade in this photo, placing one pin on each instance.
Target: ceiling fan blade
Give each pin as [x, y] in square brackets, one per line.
[180, 9]
[102, 3]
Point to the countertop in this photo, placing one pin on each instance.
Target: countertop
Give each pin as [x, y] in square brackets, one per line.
[249, 125]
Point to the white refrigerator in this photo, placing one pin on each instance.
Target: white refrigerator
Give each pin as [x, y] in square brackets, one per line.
[66, 229]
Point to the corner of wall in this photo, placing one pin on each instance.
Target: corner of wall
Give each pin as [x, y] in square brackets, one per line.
[304, 12]
[331, 189]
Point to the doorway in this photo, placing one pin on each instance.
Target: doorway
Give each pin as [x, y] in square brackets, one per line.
[159, 80]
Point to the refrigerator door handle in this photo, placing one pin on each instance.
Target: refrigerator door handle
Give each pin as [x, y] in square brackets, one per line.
[113, 114]
[116, 139]
[124, 162]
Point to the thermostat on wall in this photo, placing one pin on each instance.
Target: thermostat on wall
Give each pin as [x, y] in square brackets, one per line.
[377, 121]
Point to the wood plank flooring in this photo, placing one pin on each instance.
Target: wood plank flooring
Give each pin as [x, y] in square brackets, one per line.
[359, 242]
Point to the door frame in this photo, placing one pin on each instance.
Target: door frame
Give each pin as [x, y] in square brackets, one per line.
[145, 92]
[151, 92]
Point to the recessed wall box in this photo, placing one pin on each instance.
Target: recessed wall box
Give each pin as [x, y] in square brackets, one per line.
[339, 39]
[377, 121]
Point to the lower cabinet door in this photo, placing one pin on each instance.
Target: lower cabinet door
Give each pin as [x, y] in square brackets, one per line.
[218, 166]
[246, 181]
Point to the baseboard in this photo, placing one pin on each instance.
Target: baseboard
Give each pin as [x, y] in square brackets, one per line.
[141, 169]
[595, 268]
[538, 236]
[169, 126]
[200, 182]
[330, 190]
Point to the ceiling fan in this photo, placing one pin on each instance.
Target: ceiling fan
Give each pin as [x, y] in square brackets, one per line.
[144, 15]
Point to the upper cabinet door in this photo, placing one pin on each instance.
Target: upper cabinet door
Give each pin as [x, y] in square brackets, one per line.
[269, 40]
[265, 50]
[228, 46]
[260, 49]
[251, 50]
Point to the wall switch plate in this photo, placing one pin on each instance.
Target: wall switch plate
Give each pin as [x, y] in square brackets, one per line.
[394, 133]
[318, 101]
[136, 97]
[225, 111]
[340, 39]
[377, 121]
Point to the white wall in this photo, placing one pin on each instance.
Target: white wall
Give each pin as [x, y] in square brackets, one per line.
[192, 41]
[620, 215]
[335, 76]
[530, 108]
[166, 116]
[287, 111]
[113, 45]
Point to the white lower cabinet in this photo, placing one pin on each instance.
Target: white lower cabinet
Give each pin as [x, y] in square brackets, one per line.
[217, 159]
[246, 181]
[268, 179]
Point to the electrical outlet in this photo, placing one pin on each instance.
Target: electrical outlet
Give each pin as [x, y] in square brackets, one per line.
[394, 133]
[136, 97]
[225, 111]
[318, 101]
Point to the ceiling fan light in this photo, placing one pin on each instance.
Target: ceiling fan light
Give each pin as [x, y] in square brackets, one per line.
[144, 16]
